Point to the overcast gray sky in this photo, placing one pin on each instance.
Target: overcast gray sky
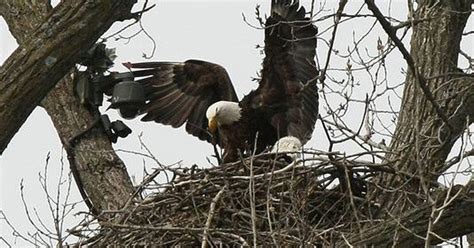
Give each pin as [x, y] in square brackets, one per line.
[207, 30]
[212, 31]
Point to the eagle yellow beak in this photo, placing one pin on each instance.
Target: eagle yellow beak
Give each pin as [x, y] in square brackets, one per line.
[212, 125]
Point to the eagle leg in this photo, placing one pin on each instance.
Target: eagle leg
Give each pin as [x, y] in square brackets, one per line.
[216, 153]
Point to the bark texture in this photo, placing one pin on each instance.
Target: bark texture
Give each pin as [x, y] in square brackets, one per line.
[98, 170]
[48, 53]
[422, 141]
[409, 230]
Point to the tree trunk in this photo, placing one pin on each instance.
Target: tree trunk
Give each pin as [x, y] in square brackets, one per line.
[420, 145]
[409, 229]
[100, 174]
[48, 54]
[422, 141]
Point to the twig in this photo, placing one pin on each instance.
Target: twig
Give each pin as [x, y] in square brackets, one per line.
[337, 19]
[347, 241]
[252, 194]
[141, 186]
[411, 63]
[137, 16]
[153, 157]
[5, 242]
[404, 227]
[15, 232]
[253, 177]
[210, 215]
[269, 206]
[166, 228]
[28, 215]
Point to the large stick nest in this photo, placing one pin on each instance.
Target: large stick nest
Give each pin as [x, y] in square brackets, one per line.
[267, 200]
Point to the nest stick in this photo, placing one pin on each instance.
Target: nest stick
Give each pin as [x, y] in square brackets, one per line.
[212, 209]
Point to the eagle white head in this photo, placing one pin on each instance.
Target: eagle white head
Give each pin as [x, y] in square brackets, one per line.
[222, 113]
[288, 144]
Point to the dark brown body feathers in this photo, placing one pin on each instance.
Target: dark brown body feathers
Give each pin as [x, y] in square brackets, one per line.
[285, 103]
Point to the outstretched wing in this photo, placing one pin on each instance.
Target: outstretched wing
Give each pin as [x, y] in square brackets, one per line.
[181, 92]
[289, 71]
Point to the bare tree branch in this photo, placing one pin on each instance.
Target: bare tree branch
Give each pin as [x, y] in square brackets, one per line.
[68, 115]
[456, 220]
[53, 49]
[391, 31]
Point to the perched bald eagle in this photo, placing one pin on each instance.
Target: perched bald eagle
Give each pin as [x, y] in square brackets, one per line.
[201, 94]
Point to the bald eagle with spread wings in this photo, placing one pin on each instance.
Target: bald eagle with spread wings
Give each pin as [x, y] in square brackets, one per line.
[200, 94]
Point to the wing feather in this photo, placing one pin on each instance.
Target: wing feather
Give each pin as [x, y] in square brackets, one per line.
[289, 71]
[197, 122]
[180, 92]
